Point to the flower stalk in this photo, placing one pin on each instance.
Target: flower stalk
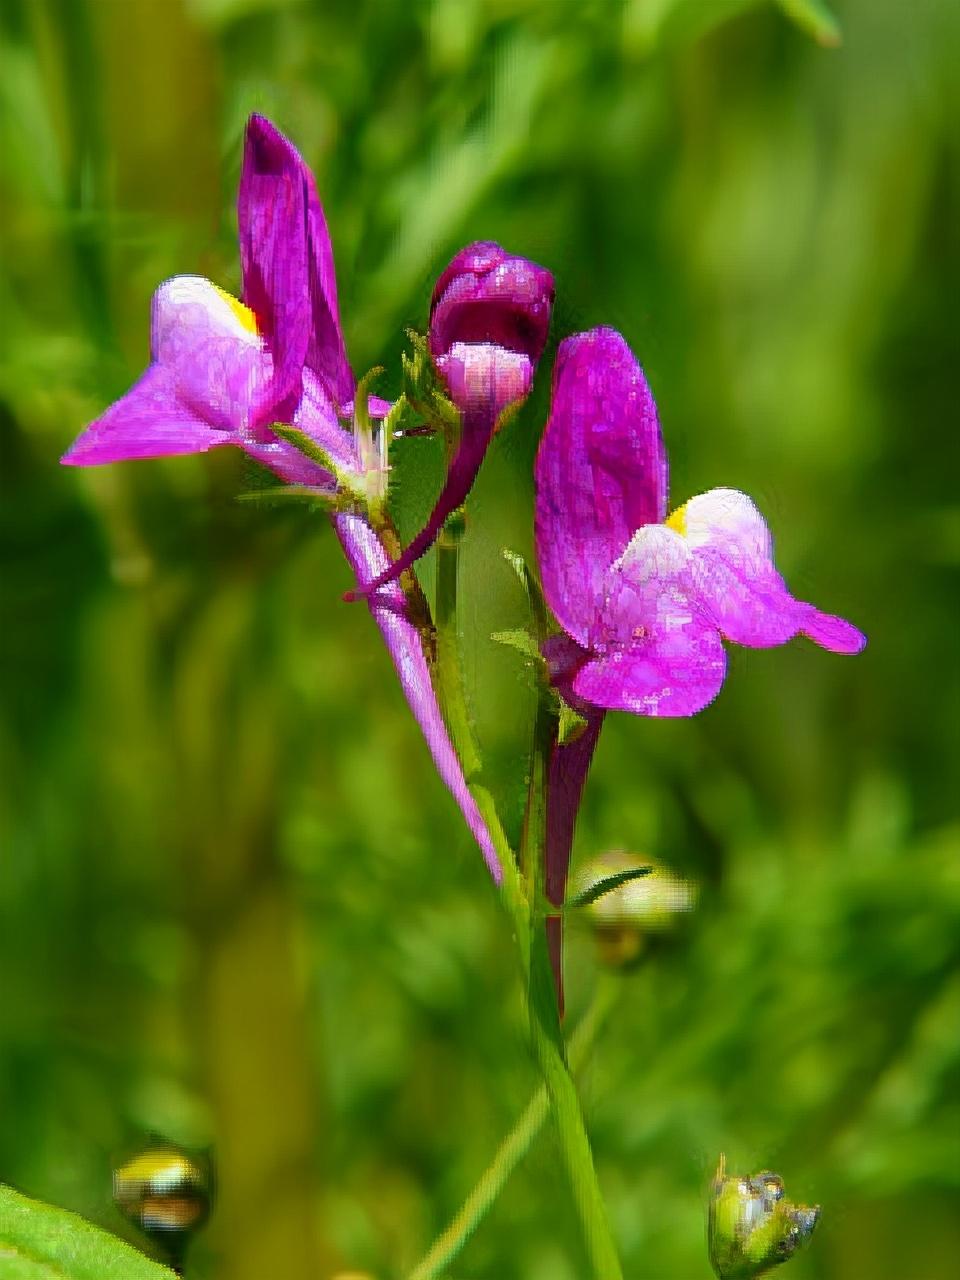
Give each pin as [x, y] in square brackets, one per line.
[516, 1144]
[524, 900]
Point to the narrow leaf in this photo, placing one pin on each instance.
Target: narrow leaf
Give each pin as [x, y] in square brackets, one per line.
[520, 640]
[602, 887]
[306, 444]
[531, 587]
[285, 494]
[570, 724]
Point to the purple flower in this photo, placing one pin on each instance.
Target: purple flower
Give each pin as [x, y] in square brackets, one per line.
[645, 602]
[222, 371]
[488, 324]
[648, 601]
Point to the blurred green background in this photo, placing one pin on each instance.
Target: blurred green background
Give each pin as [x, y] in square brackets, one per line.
[237, 905]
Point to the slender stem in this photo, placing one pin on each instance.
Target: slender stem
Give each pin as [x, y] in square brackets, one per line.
[574, 1143]
[526, 911]
[448, 675]
[544, 1018]
[515, 1145]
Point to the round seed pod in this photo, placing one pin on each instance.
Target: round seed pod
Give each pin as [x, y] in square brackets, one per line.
[751, 1227]
[167, 1193]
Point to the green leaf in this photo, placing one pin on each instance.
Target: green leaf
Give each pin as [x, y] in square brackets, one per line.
[39, 1242]
[607, 885]
[282, 495]
[306, 444]
[426, 393]
[361, 399]
[522, 641]
[570, 723]
[815, 18]
[538, 608]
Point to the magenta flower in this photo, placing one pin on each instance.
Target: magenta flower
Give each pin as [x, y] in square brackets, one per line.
[222, 371]
[645, 602]
[488, 324]
[648, 601]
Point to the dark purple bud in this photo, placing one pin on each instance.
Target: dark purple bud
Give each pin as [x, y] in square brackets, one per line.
[488, 296]
[488, 325]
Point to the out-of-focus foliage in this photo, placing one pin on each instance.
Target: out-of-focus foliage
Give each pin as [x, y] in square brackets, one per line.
[237, 906]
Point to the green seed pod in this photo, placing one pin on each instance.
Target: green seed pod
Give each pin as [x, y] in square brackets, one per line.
[167, 1193]
[751, 1227]
[630, 916]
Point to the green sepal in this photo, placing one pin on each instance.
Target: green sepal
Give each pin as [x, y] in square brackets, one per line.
[400, 409]
[520, 640]
[304, 444]
[40, 1242]
[282, 495]
[361, 400]
[570, 724]
[424, 390]
[539, 614]
[349, 483]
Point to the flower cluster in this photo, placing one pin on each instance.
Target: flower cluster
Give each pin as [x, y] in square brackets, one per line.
[644, 602]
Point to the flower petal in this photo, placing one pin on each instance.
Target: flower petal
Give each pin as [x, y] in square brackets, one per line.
[601, 472]
[209, 368]
[208, 343]
[287, 258]
[148, 422]
[655, 651]
[736, 579]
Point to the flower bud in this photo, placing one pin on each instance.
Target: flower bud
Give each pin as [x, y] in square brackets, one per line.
[488, 325]
[630, 916]
[751, 1227]
[487, 296]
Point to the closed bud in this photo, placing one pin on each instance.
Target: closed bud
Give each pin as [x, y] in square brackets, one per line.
[489, 319]
[635, 912]
[752, 1227]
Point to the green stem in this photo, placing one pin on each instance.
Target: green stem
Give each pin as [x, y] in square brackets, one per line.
[453, 701]
[515, 1145]
[524, 904]
[544, 1018]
